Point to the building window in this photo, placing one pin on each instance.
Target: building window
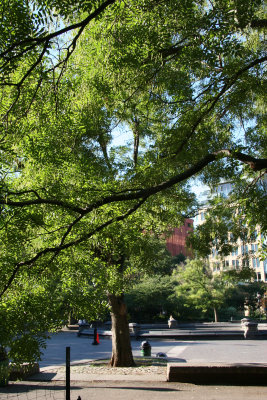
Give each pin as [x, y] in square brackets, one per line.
[233, 263]
[244, 249]
[259, 276]
[225, 264]
[258, 262]
[202, 216]
[254, 247]
[235, 252]
[254, 262]
[237, 264]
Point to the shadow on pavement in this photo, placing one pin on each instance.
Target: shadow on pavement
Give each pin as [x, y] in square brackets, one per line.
[27, 387]
[151, 389]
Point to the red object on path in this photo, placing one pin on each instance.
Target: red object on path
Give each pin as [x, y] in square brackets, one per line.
[97, 338]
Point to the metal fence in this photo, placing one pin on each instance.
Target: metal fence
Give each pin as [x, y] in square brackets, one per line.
[55, 390]
[39, 391]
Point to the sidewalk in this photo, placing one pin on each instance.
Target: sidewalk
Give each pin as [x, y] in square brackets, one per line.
[120, 384]
[125, 390]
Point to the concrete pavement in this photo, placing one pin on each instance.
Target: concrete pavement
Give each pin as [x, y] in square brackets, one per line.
[189, 331]
[130, 387]
[82, 350]
[126, 390]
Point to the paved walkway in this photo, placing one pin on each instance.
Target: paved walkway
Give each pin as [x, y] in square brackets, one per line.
[245, 351]
[130, 386]
[126, 390]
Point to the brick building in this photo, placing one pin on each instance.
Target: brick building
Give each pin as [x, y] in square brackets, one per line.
[176, 243]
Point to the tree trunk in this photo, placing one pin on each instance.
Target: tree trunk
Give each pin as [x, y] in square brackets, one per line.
[121, 343]
[215, 315]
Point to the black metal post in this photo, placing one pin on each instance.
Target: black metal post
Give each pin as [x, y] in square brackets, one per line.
[67, 373]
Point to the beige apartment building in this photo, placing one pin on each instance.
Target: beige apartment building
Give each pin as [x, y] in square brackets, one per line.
[244, 254]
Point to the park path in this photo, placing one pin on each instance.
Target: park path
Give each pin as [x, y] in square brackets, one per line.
[130, 385]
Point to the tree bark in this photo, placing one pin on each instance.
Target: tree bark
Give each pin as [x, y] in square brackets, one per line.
[215, 315]
[121, 343]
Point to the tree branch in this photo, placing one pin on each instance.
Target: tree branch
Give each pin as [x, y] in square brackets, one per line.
[57, 249]
[143, 194]
[40, 40]
[229, 83]
[259, 23]
[34, 42]
[254, 163]
[38, 201]
[136, 134]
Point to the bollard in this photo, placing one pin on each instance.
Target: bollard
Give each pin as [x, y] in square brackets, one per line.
[96, 338]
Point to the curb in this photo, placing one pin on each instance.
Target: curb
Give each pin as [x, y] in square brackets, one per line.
[218, 373]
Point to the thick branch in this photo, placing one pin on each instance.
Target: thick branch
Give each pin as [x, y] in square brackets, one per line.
[257, 164]
[259, 23]
[254, 163]
[39, 201]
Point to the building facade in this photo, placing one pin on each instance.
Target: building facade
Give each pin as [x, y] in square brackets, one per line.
[176, 243]
[245, 253]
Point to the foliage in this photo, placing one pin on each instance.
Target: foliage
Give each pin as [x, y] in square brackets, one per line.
[239, 216]
[152, 299]
[199, 288]
[247, 293]
[178, 81]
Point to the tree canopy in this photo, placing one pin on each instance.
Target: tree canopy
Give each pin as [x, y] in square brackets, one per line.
[197, 285]
[183, 84]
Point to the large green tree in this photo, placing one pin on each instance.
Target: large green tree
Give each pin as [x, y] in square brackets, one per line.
[184, 83]
[198, 287]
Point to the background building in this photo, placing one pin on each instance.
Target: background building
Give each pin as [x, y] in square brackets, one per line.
[245, 253]
[176, 243]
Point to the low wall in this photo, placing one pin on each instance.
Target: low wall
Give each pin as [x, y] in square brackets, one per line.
[218, 373]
